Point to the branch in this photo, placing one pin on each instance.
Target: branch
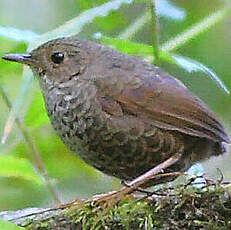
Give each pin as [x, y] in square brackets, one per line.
[177, 208]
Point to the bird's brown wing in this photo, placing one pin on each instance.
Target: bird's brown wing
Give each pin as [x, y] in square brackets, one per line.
[168, 104]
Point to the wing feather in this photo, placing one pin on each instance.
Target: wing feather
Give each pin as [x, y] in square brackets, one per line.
[147, 91]
[172, 106]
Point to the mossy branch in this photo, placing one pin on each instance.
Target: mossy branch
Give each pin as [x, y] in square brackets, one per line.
[190, 208]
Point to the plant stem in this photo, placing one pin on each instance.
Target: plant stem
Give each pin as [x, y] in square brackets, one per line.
[36, 158]
[195, 30]
[154, 29]
[130, 31]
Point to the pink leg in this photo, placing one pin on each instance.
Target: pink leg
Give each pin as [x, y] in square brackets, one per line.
[139, 181]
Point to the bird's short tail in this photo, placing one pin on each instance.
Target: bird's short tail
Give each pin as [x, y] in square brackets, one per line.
[219, 148]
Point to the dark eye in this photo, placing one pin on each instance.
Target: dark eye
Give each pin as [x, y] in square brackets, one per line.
[57, 57]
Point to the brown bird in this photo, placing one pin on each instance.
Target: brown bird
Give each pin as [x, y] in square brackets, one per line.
[122, 115]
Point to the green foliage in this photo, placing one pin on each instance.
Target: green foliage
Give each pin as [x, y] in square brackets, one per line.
[9, 226]
[84, 5]
[36, 115]
[114, 21]
[108, 23]
[125, 46]
[13, 47]
[18, 167]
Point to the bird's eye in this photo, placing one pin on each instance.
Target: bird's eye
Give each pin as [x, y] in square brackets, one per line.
[57, 57]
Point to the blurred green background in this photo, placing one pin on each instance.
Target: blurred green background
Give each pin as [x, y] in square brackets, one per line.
[20, 184]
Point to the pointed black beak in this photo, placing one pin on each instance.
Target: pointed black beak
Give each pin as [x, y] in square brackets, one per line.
[21, 58]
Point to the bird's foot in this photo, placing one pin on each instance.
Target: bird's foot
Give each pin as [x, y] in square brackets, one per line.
[70, 204]
[112, 198]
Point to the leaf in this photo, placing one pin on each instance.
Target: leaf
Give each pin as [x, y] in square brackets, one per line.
[191, 65]
[75, 25]
[17, 35]
[114, 20]
[11, 46]
[125, 46]
[36, 115]
[132, 48]
[8, 69]
[5, 225]
[167, 9]
[87, 4]
[18, 167]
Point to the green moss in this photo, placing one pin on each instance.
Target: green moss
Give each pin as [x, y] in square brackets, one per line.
[182, 208]
[128, 214]
[43, 226]
[187, 209]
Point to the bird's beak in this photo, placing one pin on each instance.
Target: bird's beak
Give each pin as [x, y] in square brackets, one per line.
[21, 58]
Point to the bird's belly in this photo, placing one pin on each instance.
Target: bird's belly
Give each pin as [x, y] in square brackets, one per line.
[124, 147]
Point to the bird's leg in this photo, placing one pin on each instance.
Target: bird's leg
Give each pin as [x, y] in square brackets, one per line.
[146, 192]
[114, 197]
[158, 176]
